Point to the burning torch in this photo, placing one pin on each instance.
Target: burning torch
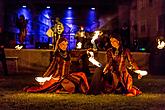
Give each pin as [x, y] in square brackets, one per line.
[42, 80]
[92, 59]
[161, 44]
[79, 45]
[96, 35]
[141, 72]
[98, 64]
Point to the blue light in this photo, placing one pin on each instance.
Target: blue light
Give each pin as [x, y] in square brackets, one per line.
[27, 14]
[69, 8]
[43, 25]
[69, 32]
[68, 17]
[91, 21]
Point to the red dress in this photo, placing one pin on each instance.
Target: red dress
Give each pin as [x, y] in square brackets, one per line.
[118, 78]
[68, 82]
[118, 67]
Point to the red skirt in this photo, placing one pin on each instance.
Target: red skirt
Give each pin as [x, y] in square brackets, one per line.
[69, 84]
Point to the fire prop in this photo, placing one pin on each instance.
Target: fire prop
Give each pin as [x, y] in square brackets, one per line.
[42, 79]
[79, 45]
[18, 47]
[96, 35]
[95, 62]
[141, 72]
[161, 44]
[92, 59]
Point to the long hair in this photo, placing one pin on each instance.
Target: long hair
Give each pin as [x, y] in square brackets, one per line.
[61, 40]
[117, 36]
[57, 48]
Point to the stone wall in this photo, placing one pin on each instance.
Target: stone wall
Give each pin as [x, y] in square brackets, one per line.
[37, 60]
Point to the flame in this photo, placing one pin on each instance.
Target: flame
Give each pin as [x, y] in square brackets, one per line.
[79, 45]
[42, 79]
[18, 47]
[161, 44]
[96, 35]
[92, 60]
[141, 72]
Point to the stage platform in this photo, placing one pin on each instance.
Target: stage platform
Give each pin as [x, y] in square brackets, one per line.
[37, 60]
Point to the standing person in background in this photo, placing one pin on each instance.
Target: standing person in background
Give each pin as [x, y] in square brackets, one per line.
[55, 31]
[2, 53]
[21, 24]
[81, 37]
[125, 35]
[3, 60]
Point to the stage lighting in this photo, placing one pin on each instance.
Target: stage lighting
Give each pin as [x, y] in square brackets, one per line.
[24, 6]
[91, 21]
[69, 8]
[92, 8]
[48, 7]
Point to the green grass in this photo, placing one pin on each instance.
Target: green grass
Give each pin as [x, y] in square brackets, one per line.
[13, 98]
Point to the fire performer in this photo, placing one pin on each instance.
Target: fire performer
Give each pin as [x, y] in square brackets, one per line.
[58, 77]
[115, 77]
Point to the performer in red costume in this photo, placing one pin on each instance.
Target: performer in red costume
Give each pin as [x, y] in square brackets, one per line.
[61, 77]
[115, 76]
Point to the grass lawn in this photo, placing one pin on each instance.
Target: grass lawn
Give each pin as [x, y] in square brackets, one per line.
[13, 98]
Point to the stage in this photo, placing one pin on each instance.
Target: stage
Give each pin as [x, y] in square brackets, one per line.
[37, 60]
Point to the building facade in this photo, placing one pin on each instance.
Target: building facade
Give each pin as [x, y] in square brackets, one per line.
[147, 19]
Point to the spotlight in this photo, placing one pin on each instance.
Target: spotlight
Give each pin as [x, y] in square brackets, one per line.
[48, 7]
[24, 6]
[92, 8]
[69, 8]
